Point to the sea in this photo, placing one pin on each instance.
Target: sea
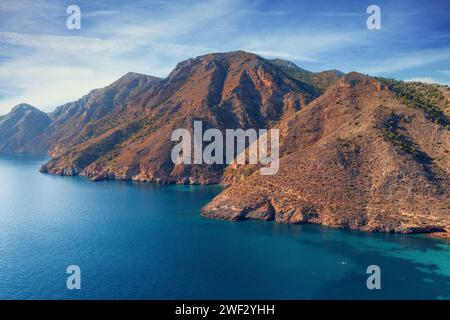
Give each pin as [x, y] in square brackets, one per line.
[132, 240]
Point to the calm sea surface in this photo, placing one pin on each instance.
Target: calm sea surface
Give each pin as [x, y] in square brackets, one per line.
[142, 241]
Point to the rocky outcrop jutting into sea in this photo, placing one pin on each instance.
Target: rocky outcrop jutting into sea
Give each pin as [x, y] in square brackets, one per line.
[356, 151]
[356, 157]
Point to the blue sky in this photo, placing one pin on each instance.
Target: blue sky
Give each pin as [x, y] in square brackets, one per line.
[45, 64]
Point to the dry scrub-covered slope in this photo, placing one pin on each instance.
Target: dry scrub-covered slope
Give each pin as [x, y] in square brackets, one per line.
[355, 157]
[356, 151]
[225, 90]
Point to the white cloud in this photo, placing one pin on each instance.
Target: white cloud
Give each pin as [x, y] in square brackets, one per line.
[409, 60]
[99, 13]
[64, 45]
[307, 46]
[13, 6]
[51, 70]
[47, 86]
[47, 70]
[445, 72]
[49, 66]
[422, 79]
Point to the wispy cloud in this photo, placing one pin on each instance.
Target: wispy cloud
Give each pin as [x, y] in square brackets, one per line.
[409, 60]
[56, 44]
[50, 69]
[422, 79]
[340, 14]
[308, 46]
[445, 72]
[43, 63]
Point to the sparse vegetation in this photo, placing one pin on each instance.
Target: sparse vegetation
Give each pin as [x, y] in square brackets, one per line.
[319, 81]
[425, 97]
[391, 132]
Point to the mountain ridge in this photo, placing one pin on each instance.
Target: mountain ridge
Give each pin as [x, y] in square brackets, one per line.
[339, 168]
[355, 151]
[226, 90]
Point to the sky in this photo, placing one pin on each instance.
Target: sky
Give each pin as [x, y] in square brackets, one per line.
[45, 64]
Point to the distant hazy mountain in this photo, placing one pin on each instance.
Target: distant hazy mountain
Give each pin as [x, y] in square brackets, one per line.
[356, 151]
[20, 130]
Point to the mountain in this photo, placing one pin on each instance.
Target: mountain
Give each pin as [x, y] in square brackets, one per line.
[27, 129]
[223, 90]
[357, 157]
[20, 128]
[355, 151]
[319, 80]
[100, 110]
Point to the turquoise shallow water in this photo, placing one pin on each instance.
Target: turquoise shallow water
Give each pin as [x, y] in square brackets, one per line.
[142, 241]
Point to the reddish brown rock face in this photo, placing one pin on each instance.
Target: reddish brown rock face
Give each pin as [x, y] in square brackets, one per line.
[133, 140]
[352, 153]
[337, 167]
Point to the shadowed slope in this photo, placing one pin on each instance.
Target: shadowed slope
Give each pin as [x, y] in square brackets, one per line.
[224, 90]
[341, 165]
[19, 130]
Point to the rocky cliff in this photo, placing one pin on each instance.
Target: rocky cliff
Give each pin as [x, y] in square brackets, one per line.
[356, 157]
[132, 141]
[355, 151]
[20, 130]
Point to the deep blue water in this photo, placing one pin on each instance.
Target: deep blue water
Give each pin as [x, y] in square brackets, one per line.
[142, 241]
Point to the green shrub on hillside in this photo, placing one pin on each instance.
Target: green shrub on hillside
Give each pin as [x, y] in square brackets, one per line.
[392, 134]
[421, 96]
